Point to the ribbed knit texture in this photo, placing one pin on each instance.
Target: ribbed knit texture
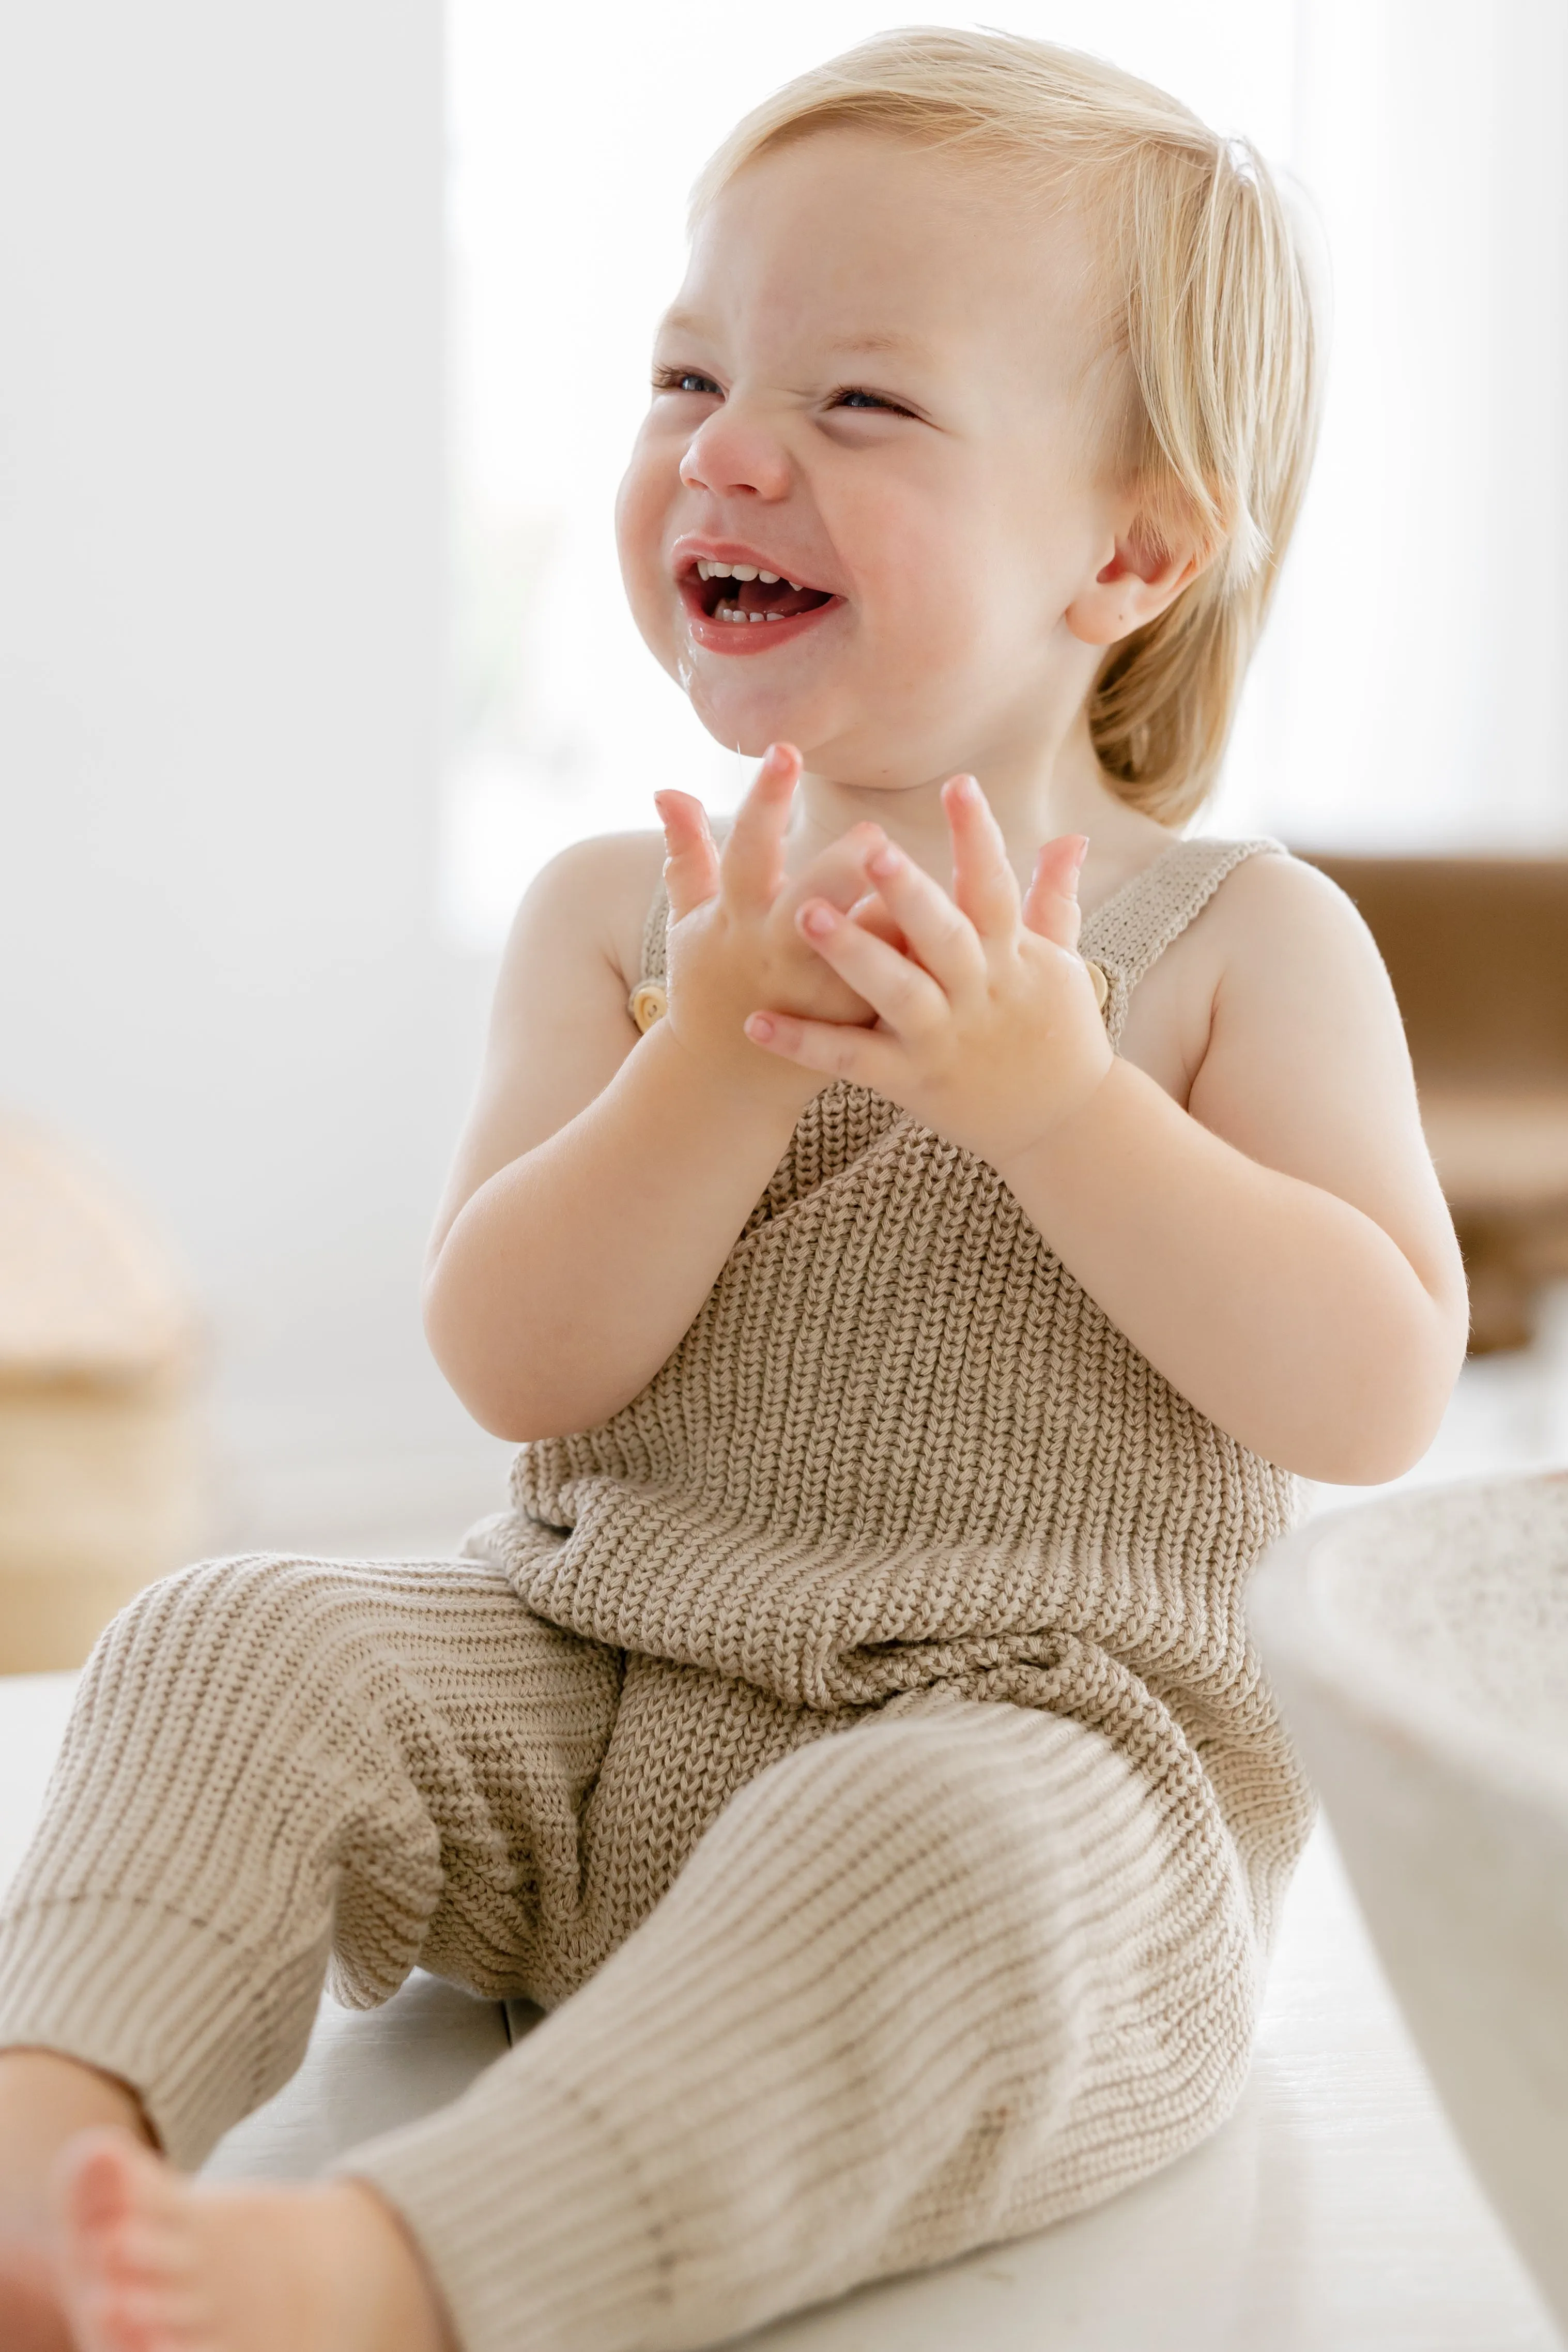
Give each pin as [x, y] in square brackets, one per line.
[935, 1983]
[860, 1727]
[900, 1446]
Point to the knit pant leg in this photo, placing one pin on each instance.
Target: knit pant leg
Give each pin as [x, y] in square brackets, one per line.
[274, 1762]
[924, 1985]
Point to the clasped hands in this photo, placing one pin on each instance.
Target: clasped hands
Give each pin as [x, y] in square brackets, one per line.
[973, 1012]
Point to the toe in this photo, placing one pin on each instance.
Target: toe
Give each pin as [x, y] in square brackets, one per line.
[100, 2181]
[107, 2185]
[123, 2278]
[135, 2317]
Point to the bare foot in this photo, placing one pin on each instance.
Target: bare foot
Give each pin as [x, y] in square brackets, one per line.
[152, 2263]
[30, 2316]
[45, 2101]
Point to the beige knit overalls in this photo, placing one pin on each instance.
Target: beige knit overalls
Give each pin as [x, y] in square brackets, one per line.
[860, 1727]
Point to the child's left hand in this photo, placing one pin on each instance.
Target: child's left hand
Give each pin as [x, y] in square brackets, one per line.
[987, 1026]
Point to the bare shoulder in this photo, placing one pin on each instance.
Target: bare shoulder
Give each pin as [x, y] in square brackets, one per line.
[1273, 906]
[1305, 1067]
[573, 958]
[1274, 931]
[1279, 940]
[587, 908]
[1279, 966]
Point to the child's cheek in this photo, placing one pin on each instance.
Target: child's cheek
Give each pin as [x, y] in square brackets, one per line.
[935, 630]
[641, 507]
[922, 568]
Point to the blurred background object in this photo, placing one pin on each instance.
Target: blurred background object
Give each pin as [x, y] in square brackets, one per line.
[1421, 1649]
[100, 1473]
[1478, 952]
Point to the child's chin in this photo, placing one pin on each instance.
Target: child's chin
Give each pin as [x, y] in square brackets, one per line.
[748, 723]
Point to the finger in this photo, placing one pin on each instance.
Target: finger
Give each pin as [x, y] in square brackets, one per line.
[984, 886]
[752, 862]
[838, 872]
[691, 861]
[1051, 905]
[874, 915]
[839, 1050]
[938, 936]
[906, 997]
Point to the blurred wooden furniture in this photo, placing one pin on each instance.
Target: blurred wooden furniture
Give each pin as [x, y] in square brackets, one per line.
[101, 1485]
[1478, 952]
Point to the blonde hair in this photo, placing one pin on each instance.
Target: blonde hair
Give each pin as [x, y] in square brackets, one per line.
[1206, 301]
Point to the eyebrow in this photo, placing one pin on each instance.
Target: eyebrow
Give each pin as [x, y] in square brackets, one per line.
[872, 340]
[882, 339]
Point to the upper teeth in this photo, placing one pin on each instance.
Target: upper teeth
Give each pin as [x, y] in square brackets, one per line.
[707, 570]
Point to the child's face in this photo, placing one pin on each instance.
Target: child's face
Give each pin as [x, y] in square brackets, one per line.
[878, 381]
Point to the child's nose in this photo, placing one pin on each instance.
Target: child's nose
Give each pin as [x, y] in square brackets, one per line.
[733, 452]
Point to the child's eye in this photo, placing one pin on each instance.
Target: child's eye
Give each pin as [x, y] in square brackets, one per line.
[682, 380]
[856, 397]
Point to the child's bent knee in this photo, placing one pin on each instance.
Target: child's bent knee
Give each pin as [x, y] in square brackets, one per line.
[268, 1611]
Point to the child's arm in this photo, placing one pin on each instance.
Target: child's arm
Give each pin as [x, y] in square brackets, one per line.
[1280, 1249]
[603, 1178]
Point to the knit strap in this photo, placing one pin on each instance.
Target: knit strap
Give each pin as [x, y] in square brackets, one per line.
[1125, 936]
[1136, 924]
[654, 965]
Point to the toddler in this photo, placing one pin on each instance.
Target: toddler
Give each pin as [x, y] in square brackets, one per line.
[914, 1311]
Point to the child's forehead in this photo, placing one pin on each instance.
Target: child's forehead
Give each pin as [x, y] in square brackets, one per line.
[845, 326]
[889, 247]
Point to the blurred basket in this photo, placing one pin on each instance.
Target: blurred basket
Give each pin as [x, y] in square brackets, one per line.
[101, 1486]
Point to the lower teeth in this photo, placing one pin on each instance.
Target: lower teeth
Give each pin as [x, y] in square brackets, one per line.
[733, 612]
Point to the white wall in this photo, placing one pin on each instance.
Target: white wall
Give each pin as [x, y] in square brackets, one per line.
[222, 527]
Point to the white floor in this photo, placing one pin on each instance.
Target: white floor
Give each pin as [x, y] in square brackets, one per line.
[1334, 2213]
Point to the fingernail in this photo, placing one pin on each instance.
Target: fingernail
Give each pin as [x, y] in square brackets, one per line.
[817, 919]
[760, 1029]
[968, 788]
[1080, 853]
[885, 864]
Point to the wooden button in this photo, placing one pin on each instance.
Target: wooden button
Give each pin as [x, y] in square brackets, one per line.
[1101, 986]
[648, 1002]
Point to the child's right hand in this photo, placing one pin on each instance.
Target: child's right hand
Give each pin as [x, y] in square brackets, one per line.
[733, 940]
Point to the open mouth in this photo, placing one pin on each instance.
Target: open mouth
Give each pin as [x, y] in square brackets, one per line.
[742, 595]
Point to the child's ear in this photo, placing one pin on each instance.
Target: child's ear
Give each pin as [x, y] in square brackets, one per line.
[1141, 577]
